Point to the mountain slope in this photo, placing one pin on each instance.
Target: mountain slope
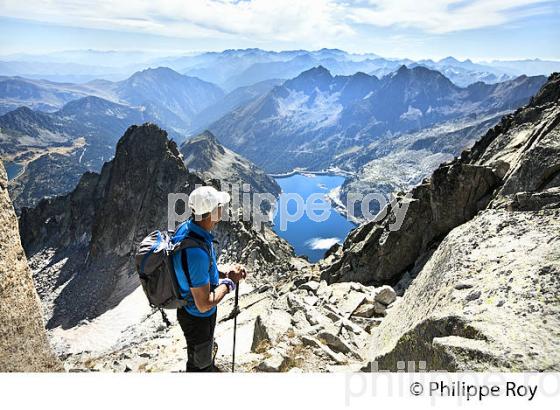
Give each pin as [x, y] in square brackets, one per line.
[42, 95]
[477, 253]
[205, 155]
[230, 102]
[169, 97]
[23, 342]
[313, 118]
[56, 148]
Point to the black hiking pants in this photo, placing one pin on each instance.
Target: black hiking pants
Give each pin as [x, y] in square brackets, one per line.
[199, 334]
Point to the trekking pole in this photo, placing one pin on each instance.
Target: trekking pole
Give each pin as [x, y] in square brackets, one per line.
[235, 311]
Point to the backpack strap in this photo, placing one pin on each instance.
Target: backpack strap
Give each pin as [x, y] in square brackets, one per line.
[192, 240]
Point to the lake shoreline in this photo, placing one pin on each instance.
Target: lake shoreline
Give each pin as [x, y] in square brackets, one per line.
[328, 172]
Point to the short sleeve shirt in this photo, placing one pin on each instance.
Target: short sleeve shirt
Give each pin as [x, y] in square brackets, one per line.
[198, 266]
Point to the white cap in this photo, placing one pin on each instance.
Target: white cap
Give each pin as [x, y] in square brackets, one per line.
[207, 198]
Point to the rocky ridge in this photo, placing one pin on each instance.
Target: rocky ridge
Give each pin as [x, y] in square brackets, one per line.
[23, 341]
[81, 245]
[480, 294]
[205, 155]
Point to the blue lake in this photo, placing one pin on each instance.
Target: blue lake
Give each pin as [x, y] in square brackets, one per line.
[319, 226]
[12, 169]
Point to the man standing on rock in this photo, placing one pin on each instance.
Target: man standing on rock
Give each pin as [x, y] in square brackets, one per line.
[206, 285]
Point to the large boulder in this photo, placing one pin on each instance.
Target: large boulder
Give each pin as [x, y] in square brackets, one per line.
[487, 300]
[23, 341]
[270, 328]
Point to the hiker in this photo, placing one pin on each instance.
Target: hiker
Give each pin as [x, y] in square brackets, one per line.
[207, 285]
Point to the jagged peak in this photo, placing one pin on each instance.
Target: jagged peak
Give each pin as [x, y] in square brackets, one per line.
[88, 100]
[549, 92]
[25, 112]
[158, 71]
[403, 69]
[205, 139]
[318, 70]
[148, 138]
[449, 60]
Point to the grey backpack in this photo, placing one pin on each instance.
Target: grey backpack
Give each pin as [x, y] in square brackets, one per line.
[154, 265]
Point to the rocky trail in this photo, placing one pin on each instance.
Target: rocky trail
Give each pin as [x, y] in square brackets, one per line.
[297, 324]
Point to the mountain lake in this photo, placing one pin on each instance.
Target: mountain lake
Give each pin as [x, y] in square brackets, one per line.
[12, 169]
[309, 236]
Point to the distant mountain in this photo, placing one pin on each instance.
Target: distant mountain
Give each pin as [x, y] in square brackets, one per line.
[46, 95]
[338, 62]
[76, 66]
[56, 148]
[310, 120]
[95, 119]
[529, 67]
[61, 72]
[205, 155]
[168, 96]
[162, 94]
[466, 72]
[235, 68]
[230, 102]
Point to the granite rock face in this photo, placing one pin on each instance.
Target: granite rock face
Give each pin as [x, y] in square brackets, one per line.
[485, 297]
[377, 253]
[486, 300]
[23, 341]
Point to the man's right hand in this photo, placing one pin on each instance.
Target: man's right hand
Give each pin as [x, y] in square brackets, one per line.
[237, 273]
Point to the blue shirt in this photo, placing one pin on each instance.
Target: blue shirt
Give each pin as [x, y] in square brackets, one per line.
[197, 262]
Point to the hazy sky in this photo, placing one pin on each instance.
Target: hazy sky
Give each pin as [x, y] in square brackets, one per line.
[476, 29]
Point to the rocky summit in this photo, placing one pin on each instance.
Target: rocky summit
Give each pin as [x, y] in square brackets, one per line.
[23, 341]
[205, 155]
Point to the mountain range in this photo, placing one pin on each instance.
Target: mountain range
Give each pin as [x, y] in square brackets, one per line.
[233, 68]
[313, 121]
[310, 120]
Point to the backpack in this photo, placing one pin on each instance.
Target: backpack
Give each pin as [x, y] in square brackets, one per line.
[154, 265]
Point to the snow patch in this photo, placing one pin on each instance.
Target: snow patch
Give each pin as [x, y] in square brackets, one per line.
[103, 332]
[411, 114]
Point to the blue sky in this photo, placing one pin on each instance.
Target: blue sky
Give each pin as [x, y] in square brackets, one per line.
[476, 29]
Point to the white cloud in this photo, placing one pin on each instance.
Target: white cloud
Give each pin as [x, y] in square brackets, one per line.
[281, 20]
[442, 16]
[309, 22]
[321, 243]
